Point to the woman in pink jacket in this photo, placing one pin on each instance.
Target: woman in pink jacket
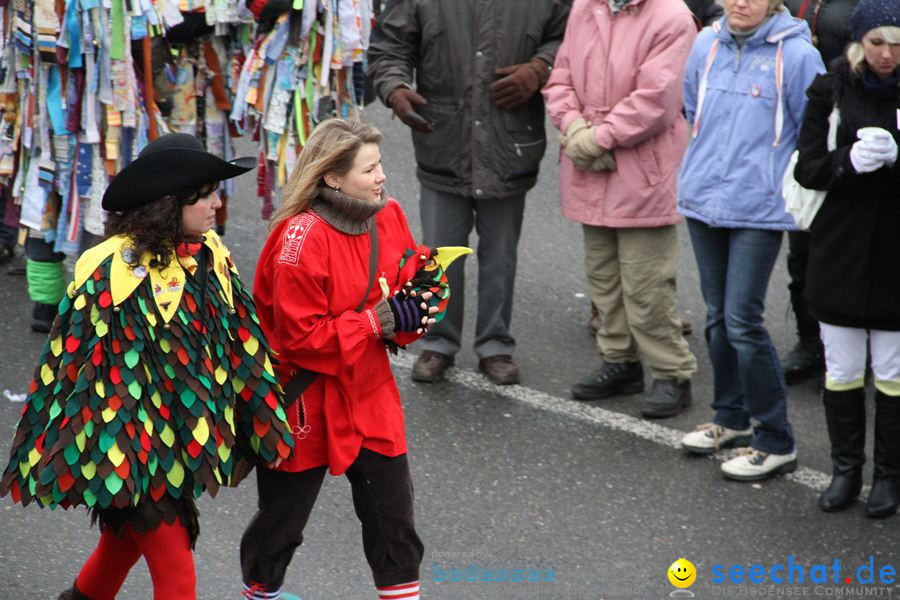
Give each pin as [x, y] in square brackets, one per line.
[615, 92]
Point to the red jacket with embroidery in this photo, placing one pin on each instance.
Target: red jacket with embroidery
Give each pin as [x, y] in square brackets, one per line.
[309, 281]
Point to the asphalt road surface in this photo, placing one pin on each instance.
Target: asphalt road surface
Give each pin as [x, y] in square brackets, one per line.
[589, 499]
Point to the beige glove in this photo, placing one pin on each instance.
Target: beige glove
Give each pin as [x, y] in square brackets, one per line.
[581, 147]
[575, 126]
[604, 162]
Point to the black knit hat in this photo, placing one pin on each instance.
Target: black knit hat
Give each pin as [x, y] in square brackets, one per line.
[870, 14]
[172, 163]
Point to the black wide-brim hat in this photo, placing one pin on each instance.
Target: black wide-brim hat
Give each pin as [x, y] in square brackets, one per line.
[170, 164]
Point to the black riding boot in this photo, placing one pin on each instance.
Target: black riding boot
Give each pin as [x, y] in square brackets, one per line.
[885, 496]
[845, 413]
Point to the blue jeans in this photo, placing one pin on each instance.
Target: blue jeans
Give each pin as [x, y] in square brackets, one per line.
[735, 265]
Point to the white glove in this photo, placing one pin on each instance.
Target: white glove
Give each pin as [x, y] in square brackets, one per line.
[863, 159]
[880, 143]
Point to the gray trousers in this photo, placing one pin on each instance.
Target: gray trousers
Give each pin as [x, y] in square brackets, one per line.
[447, 220]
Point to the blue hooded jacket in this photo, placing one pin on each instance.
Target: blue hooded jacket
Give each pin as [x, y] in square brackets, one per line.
[745, 107]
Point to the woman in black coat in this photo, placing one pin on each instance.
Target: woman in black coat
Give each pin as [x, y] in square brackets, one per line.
[829, 23]
[853, 281]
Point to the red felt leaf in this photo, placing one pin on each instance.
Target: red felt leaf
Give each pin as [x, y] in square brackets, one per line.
[123, 469]
[194, 449]
[72, 344]
[260, 428]
[65, 481]
[157, 493]
[97, 355]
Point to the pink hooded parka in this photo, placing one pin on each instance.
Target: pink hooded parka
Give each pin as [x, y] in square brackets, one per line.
[624, 74]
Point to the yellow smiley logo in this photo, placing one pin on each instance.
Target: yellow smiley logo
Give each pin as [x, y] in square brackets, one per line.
[682, 573]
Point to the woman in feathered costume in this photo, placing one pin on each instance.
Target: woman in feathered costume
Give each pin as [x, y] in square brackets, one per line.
[336, 234]
[155, 384]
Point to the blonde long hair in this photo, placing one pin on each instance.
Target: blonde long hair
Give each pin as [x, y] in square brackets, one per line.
[856, 54]
[331, 148]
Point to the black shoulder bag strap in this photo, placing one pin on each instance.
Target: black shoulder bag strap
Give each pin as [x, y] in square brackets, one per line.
[304, 377]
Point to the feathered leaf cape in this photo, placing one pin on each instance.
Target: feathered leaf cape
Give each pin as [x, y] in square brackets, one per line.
[142, 395]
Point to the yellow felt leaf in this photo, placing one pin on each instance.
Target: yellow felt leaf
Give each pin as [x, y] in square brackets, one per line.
[56, 346]
[108, 415]
[251, 346]
[33, 457]
[80, 302]
[100, 388]
[167, 436]
[221, 375]
[148, 427]
[201, 432]
[176, 474]
[80, 439]
[101, 328]
[164, 346]
[157, 399]
[115, 455]
[46, 374]
[89, 470]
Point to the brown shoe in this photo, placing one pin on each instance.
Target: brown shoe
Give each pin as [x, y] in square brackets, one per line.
[686, 327]
[430, 366]
[499, 369]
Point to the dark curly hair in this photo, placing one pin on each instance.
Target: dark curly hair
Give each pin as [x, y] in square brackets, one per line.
[155, 227]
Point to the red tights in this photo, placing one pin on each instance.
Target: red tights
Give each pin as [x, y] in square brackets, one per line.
[167, 551]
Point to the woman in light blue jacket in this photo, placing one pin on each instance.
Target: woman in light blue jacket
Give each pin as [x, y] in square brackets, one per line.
[744, 92]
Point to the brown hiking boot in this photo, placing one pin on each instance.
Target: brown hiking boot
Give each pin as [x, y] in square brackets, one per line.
[499, 369]
[430, 366]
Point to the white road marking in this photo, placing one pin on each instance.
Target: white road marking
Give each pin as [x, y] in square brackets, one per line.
[588, 413]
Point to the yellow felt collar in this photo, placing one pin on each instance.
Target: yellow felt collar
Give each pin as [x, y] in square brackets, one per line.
[167, 284]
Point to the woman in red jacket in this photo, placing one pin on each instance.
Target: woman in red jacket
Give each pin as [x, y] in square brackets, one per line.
[322, 313]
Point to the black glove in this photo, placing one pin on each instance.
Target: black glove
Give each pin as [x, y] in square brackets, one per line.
[410, 313]
[402, 100]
